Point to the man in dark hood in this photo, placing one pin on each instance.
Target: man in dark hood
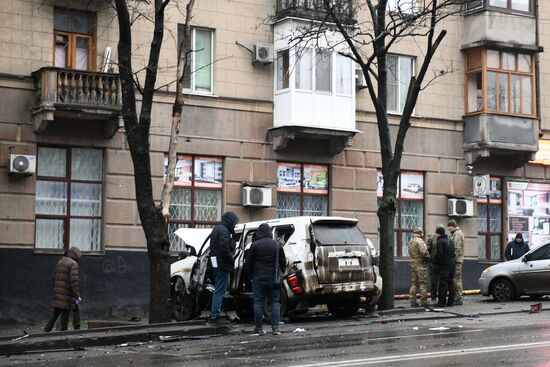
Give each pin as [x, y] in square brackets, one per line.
[516, 248]
[222, 249]
[263, 261]
[445, 262]
[65, 290]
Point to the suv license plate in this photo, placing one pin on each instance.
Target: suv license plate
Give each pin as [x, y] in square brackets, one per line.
[348, 262]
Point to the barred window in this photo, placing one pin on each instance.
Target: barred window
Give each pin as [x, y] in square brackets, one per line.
[302, 189]
[410, 208]
[489, 222]
[196, 200]
[68, 203]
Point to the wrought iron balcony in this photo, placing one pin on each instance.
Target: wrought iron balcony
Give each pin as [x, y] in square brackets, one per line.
[315, 9]
[76, 94]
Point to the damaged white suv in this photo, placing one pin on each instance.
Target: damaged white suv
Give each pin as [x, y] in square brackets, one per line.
[329, 261]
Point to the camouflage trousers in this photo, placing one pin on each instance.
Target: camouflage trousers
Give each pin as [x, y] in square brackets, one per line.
[457, 283]
[419, 281]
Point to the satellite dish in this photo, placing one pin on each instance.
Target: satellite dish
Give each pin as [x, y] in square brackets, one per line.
[106, 60]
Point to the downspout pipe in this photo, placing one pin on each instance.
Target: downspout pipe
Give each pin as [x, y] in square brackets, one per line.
[537, 67]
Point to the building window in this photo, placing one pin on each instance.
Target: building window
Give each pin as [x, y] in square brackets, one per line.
[323, 70]
[528, 211]
[74, 39]
[196, 200]
[489, 222]
[513, 5]
[304, 69]
[509, 80]
[400, 69]
[200, 60]
[68, 207]
[302, 189]
[343, 75]
[410, 208]
[402, 6]
[282, 69]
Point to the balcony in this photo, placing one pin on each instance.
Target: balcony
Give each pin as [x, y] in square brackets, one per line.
[76, 95]
[314, 9]
[489, 136]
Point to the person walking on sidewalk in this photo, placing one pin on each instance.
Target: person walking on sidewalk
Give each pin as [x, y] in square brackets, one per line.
[458, 240]
[222, 249]
[263, 262]
[65, 291]
[433, 271]
[445, 262]
[516, 248]
[419, 274]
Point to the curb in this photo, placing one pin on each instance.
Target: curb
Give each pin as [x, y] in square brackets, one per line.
[71, 340]
[408, 296]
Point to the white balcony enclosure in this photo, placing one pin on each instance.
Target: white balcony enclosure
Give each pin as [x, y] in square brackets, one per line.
[314, 87]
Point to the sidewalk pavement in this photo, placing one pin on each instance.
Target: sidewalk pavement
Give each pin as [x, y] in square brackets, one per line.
[474, 306]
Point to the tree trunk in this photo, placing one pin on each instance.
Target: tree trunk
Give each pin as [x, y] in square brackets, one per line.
[386, 216]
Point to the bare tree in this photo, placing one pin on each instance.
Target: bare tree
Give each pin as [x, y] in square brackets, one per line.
[369, 42]
[137, 132]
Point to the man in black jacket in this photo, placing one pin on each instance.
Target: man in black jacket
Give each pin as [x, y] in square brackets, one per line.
[445, 262]
[261, 264]
[516, 248]
[222, 249]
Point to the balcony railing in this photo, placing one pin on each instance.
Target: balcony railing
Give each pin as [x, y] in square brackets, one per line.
[87, 95]
[315, 9]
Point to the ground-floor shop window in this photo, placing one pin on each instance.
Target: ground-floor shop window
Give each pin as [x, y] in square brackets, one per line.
[529, 211]
[302, 189]
[196, 200]
[68, 202]
[489, 222]
[410, 208]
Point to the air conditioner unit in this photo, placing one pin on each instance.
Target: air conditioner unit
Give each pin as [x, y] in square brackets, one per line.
[460, 208]
[263, 53]
[22, 164]
[256, 196]
[360, 79]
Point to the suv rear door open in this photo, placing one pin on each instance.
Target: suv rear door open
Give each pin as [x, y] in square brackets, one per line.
[341, 252]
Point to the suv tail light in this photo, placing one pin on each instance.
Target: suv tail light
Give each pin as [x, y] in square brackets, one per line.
[294, 283]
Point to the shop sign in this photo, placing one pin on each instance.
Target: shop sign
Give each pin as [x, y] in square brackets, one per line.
[543, 154]
[289, 176]
[315, 179]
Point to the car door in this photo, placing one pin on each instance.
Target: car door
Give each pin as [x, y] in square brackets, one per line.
[533, 275]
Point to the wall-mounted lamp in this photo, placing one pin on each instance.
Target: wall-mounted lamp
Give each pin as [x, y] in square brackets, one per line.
[469, 168]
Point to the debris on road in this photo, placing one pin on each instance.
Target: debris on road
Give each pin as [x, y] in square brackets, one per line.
[130, 344]
[536, 308]
[299, 330]
[439, 328]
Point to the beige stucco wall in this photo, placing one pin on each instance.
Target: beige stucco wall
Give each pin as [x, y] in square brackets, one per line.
[235, 124]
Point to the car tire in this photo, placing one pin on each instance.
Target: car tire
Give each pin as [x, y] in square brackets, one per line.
[183, 307]
[344, 308]
[503, 290]
[244, 308]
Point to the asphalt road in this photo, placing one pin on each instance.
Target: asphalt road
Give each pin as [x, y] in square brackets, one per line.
[499, 340]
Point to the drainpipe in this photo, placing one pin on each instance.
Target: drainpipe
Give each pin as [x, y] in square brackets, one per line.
[537, 67]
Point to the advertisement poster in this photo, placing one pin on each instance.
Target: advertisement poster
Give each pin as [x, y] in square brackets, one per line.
[208, 172]
[315, 179]
[182, 176]
[380, 184]
[543, 154]
[529, 211]
[289, 176]
[412, 185]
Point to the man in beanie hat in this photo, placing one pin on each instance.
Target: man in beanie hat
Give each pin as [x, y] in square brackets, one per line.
[458, 240]
[445, 262]
[516, 248]
[433, 270]
[419, 259]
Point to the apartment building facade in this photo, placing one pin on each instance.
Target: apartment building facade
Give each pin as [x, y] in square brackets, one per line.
[269, 130]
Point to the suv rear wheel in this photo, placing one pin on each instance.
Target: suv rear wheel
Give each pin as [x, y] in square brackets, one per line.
[183, 307]
[503, 290]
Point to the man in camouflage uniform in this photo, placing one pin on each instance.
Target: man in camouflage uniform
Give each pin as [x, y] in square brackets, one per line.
[458, 239]
[433, 270]
[419, 259]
